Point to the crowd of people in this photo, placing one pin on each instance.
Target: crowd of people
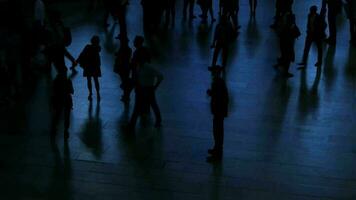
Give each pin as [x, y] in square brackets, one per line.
[134, 66]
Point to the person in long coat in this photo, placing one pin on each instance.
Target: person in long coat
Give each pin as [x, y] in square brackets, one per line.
[89, 60]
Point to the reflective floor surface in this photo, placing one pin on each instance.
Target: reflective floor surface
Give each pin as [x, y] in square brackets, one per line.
[284, 139]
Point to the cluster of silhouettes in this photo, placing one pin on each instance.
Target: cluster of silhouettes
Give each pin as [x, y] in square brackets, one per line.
[288, 31]
[137, 74]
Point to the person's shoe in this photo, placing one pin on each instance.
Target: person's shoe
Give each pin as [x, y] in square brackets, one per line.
[318, 64]
[90, 98]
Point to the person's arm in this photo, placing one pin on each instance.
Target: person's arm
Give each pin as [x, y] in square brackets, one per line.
[70, 57]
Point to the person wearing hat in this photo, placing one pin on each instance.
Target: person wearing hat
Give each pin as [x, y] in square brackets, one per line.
[123, 68]
[61, 102]
[315, 34]
[219, 108]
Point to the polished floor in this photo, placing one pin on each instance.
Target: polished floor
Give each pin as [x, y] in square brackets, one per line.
[284, 139]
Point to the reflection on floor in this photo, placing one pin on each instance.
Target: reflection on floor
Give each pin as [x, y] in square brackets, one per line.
[285, 140]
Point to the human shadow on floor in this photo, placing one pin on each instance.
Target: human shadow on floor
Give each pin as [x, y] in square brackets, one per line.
[329, 71]
[92, 131]
[60, 180]
[253, 37]
[308, 99]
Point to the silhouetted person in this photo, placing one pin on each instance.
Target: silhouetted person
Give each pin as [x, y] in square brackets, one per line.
[89, 60]
[188, 4]
[141, 53]
[253, 6]
[282, 7]
[170, 12]
[231, 9]
[219, 108]
[206, 6]
[58, 38]
[288, 33]
[222, 39]
[351, 5]
[61, 102]
[120, 7]
[147, 81]
[123, 68]
[334, 8]
[314, 35]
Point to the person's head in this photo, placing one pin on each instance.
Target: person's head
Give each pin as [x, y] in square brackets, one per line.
[313, 9]
[138, 42]
[95, 40]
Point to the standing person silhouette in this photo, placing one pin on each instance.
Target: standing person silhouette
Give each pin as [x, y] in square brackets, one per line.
[334, 8]
[147, 81]
[89, 60]
[288, 33]
[61, 102]
[123, 68]
[314, 35]
[219, 108]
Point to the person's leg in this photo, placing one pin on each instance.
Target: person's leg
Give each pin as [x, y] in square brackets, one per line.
[218, 132]
[185, 8]
[319, 45]
[97, 87]
[89, 88]
[155, 108]
[332, 28]
[56, 114]
[191, 9]
[66, 122]
[211, 11]
[216, 55]
[225, 52]
[308, 42]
